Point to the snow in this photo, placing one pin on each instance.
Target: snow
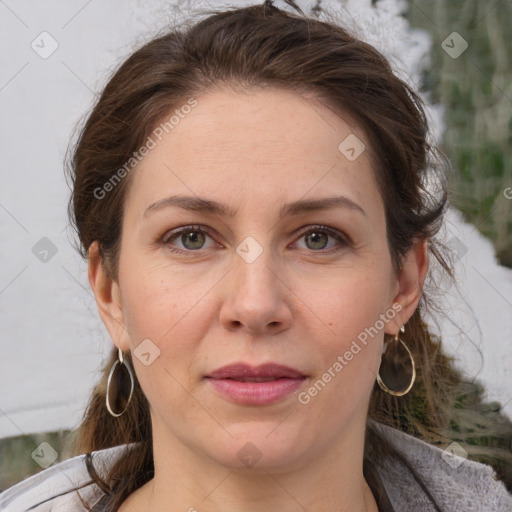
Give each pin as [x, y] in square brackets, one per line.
[53, 342]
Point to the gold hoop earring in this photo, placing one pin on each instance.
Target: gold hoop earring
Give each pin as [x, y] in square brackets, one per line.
[396, 375]
[120, 399]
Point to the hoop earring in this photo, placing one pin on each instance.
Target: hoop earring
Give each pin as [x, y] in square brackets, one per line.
[398, 373]
[120, 384]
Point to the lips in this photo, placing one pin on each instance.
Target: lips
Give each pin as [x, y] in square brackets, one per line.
[245, 373]
[255, 385]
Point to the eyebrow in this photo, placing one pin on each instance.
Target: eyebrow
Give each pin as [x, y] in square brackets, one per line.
[200, 204]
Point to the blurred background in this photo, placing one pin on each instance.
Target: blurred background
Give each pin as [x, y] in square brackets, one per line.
[55, 58]
[475, 90]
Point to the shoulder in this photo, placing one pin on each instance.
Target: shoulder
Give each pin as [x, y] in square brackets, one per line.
[455, 482]
[65, 486]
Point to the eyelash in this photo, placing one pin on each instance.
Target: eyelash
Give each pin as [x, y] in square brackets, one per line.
[172, 235]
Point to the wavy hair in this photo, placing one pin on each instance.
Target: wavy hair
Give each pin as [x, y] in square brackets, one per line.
[261, 46]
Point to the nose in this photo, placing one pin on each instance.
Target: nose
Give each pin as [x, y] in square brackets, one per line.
[256, 299]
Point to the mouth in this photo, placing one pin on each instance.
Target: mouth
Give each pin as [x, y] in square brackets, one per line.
[254, 379]
[246, 372]
[261, 385]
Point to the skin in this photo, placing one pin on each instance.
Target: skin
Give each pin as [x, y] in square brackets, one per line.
[296, 304]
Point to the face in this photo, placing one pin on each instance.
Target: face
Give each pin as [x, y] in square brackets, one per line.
[273, 275]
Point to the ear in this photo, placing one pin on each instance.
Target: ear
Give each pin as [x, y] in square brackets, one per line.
[410, 284]
[108, 299]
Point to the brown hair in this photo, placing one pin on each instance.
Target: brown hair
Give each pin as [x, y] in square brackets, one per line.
[265, 47]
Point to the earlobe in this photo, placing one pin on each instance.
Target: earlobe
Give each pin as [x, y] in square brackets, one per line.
[108, 298]
[410, 281]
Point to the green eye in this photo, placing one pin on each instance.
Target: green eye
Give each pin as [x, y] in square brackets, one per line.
[317, 239]
[191, 238]
[188, 239]
[196, 239]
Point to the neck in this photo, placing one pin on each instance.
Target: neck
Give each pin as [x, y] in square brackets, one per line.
[189, 481]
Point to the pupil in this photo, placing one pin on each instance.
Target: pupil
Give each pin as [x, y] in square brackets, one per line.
[316, 239]
[195, 238]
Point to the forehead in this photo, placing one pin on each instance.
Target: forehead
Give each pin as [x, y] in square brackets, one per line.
[256, 149]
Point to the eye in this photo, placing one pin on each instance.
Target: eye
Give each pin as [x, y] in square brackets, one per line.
[192, 239]
[317, 238]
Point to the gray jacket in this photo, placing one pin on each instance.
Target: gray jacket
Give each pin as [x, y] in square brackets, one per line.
[457, 484]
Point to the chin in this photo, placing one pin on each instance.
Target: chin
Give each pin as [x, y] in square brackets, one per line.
[258, 447]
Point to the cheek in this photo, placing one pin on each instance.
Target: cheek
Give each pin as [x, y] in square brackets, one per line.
[158, 325]
[157, 300]
[352, 303]
[167, 313]
[354, 311]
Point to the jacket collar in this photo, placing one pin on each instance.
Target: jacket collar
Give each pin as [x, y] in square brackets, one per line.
[420, 477]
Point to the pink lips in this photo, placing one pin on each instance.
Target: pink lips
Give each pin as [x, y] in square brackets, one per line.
[260, 385]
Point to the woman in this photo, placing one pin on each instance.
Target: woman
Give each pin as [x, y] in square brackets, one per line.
[251, 196]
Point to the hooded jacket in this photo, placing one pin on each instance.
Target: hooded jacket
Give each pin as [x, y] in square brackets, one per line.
[446, 483]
